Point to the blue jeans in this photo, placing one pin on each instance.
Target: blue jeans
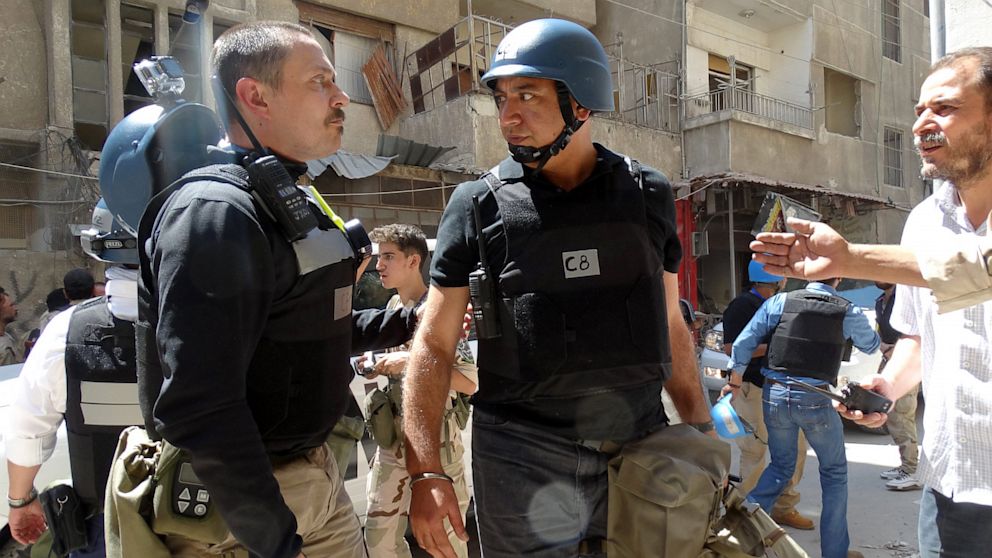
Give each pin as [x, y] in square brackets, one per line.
[536, 494]
[786, 411]
[96, 547]
[951, 529]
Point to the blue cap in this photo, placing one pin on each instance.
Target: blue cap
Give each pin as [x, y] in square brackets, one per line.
[756, 273]
[726, 421]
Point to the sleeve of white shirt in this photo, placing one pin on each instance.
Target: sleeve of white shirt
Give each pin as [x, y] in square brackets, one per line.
[907, 306]
[957, 271]
[38, 407]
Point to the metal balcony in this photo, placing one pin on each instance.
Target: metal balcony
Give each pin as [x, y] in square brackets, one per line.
[738, 99]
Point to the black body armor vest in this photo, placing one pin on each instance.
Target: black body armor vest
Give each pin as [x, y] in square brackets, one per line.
[101, 394]
[809, 339]
[582, 303]
[298, 376]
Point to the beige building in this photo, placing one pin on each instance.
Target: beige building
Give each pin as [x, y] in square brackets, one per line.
[727, 97]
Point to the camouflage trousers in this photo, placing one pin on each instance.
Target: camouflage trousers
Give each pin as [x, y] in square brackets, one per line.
[389, 497]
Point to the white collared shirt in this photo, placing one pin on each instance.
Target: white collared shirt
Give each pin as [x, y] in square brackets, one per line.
[38, 408]
[956, 362]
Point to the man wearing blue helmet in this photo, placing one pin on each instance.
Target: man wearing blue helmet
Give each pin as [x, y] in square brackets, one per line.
[583, 326]
[746, 398]
[82, 371]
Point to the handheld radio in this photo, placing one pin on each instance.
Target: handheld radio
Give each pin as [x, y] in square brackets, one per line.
[272, 184]
[853, 396]
[482, 287]
[279, 194]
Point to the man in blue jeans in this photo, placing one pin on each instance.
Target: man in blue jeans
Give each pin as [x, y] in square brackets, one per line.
[806, 331]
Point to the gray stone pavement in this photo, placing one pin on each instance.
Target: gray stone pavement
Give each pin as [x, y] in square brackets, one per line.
[882, 522]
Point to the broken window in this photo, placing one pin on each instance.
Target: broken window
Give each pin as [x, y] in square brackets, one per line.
[185, 46]
[842, 100]
[728, 86]
[137, 44]
[89, 71]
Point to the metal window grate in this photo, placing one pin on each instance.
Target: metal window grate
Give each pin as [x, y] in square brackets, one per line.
[891, 44]
[893, 157]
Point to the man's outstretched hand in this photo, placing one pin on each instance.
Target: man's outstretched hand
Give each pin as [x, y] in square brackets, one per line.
[815, 251]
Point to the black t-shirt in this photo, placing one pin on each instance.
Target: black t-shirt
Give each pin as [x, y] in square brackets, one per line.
[735, 318]
[456, 254]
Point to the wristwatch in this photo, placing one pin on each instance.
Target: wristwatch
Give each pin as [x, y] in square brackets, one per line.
[15, 503]
[703, 427]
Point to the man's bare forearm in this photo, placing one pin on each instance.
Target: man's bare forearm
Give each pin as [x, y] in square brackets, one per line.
[903, 369]
[428, 377]
[885, 263]
[21, 479]
[684, 386]
[425, 390]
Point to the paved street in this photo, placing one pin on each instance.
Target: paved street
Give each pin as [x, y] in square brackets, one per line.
[882, 522]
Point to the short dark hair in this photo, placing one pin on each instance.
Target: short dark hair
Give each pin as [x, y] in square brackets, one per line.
[257, 50]
[78, 284]
[56, 300]
[410, 239]
[983, 77]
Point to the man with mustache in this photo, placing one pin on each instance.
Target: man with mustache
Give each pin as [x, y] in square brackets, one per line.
[946, 346]
[248, 329]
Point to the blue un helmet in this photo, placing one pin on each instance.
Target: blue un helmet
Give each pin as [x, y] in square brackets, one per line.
[566, 53]
[725, 419]
[756, 273]
[150, 149]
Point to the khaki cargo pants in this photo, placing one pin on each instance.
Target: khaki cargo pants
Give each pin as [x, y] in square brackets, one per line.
[314, 490]
[389, 497]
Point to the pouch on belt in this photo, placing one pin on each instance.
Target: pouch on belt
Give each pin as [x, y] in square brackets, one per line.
[347, 432]
[664, 493]
[382, 415]
[65, 515]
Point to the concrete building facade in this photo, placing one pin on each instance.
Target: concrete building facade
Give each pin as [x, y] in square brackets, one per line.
[728, 97]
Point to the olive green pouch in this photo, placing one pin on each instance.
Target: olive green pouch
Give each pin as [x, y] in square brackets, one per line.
[461, 410]
[210, 529]
[670, 480]
[346, 433]
[380, 418]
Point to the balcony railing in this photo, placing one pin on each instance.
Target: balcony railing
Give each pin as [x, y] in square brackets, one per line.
[752, 103]
[451, 65]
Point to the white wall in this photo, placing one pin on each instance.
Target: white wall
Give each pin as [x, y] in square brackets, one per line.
[780, 58]
[789, 76]
[969, 23]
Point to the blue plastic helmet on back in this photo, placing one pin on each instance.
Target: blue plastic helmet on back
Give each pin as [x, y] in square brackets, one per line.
[148, 150]
[558, 50]
[106, 240]
[756, 273]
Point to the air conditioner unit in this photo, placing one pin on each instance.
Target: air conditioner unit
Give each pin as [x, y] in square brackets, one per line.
[700, 244]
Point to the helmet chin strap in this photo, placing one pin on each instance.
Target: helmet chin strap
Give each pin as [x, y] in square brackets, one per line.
[525, 154]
